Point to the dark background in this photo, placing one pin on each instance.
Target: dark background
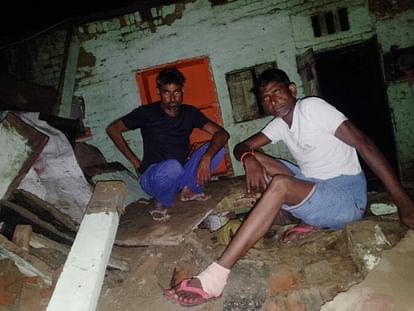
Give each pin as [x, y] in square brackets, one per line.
[20, 21]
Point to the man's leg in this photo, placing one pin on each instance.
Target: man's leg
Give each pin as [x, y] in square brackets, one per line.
[161, 181]
[283, 189]
[189, 180]
[274, 166]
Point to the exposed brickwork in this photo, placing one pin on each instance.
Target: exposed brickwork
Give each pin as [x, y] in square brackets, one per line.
[86, 59]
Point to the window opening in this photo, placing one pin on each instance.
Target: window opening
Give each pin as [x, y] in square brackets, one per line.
[240, 83]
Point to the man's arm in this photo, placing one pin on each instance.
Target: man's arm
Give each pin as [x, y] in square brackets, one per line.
[219, 139]
[114, 131]
[250, 144]
[351, 135]
[246, 152]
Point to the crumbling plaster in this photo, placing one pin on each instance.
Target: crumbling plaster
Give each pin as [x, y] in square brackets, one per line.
[15, 151]
[235, 35]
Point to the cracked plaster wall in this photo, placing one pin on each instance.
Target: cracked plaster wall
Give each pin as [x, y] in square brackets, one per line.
[235, 35]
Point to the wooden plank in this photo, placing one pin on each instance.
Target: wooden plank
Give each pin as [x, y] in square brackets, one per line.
[44, 210]
[36, 221]
[28, 264]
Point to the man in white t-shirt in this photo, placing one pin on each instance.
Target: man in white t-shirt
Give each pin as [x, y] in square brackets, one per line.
[326, 189]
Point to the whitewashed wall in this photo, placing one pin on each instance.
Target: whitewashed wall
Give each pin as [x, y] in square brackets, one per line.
[235, 35]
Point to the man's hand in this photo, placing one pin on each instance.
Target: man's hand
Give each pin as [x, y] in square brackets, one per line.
[408, 220]
[406, 211]
[203, 171]
[256, 177]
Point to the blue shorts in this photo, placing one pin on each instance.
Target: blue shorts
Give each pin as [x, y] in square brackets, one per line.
[333, 202]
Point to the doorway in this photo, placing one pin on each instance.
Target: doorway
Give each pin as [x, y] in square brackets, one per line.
[200, 91]
[351, 79]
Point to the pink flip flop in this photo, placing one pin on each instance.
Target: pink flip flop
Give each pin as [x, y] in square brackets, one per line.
[171, 294]
[298, 232]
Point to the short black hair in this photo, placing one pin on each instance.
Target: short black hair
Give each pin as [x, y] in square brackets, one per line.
[170, 75]
[269, 75]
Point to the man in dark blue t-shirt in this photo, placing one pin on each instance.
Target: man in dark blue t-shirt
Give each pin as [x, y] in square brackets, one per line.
[166, 167]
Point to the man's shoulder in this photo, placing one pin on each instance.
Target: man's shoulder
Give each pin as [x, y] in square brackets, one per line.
[149, 108]
[311, 100]
[189, 107]
[191, 110]
[312, 103]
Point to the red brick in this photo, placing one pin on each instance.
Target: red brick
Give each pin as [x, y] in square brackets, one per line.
[282, 281]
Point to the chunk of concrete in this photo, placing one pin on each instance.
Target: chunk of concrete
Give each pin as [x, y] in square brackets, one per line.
[80, 282]
[388, 286]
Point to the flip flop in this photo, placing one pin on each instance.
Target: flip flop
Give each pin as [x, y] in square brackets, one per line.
[197, 197]
[159, 215]
[298, 232]
[183, 286]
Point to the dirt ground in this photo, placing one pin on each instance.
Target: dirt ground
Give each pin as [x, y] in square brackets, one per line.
[314, 269]
[300, 275]
[274, 276]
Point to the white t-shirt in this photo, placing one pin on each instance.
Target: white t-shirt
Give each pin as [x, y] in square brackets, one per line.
[311, 139]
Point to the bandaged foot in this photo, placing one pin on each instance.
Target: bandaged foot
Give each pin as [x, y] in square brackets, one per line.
[213, 279]
[206, 286]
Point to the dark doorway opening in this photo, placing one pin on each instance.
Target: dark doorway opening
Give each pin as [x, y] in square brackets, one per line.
[351, 79]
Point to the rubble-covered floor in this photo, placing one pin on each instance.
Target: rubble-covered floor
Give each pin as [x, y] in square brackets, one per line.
[302, 275]
[299, 275]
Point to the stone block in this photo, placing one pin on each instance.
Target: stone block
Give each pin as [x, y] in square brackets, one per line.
[248, 286]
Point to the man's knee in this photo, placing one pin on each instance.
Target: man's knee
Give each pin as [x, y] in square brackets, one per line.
[280, 184]
[172, 169]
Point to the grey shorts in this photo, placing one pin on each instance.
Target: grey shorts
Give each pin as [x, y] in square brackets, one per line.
[333, 202]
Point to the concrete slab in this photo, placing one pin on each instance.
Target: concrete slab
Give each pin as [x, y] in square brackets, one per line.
[389, 286]
[137, 228]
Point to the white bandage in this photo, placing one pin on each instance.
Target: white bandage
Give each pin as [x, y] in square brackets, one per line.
[213, 279]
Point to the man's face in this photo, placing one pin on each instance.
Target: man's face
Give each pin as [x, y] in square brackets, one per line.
[171, 98]
[278, 99]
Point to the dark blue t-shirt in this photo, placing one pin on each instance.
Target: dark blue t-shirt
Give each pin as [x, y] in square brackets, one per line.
[164, 137]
